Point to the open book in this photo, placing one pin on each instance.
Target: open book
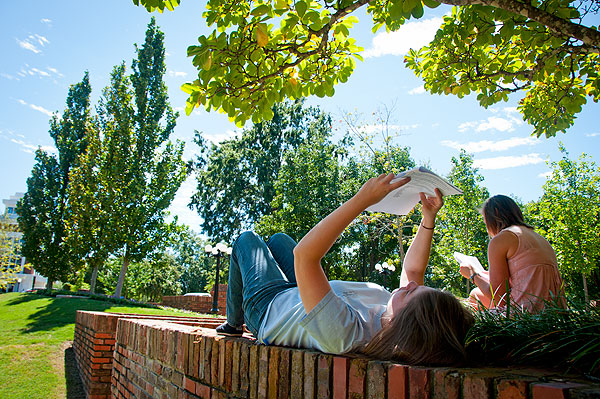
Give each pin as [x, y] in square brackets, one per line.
[463, 259]
[403, 199]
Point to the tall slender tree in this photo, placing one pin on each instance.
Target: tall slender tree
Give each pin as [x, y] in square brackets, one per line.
[42, 210]
[140, 169]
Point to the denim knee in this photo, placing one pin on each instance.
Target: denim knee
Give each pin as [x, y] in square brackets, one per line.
[247, 236]
[281, 237]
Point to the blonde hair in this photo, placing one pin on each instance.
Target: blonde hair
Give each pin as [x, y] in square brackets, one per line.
[431, 329]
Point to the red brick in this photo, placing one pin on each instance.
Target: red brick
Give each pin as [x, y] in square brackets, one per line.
[340, 377]
[235, 367]
[376, 380]
[244, 389]
[263, 371]
[477, 386]
[419, 383]
[273, 373]
[101, 360]
[446, 384]
[324, 376]
[221, 365]
[310, 375]
[214, 363]
[357, 376]
[189, 385]
[297, 375]
[203, 391]
[397, 381]
[105, 335]
[208, 346]
[512, 389]
[552, 390]
[283, 390]
[228, 353]
[253, 371]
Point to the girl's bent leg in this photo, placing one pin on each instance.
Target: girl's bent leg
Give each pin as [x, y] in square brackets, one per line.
[254, 280]
[477, 298]
[282, 247]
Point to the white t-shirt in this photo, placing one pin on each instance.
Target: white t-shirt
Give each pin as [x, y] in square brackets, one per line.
[346, 318]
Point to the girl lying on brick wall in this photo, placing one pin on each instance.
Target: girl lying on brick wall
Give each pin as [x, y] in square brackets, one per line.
[518, 258]
[282, 294]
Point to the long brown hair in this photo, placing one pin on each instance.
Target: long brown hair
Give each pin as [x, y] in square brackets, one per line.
[431, 329]
[501, 212]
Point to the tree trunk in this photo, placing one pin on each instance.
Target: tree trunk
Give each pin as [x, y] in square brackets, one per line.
[124, 267]
[586, 295]
[49, 284]
[95, 267]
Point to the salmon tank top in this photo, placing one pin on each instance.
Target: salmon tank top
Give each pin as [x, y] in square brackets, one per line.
[533, 271]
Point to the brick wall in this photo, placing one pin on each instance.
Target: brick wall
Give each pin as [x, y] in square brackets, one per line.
[198, 303]
[94, 344]
[174, 358]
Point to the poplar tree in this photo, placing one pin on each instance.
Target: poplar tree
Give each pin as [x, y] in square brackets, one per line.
[42, 210]
[139, 169]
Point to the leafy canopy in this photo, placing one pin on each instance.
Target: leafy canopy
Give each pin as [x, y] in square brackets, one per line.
[261, 52]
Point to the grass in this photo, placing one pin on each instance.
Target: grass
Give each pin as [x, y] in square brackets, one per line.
[35, 343]
[564, 339]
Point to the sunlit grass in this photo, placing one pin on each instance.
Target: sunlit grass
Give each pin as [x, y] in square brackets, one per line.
[35, 330]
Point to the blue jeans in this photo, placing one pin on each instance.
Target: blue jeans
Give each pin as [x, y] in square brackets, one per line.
[258, 272]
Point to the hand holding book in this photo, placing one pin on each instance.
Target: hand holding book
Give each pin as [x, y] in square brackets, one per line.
[403, 199]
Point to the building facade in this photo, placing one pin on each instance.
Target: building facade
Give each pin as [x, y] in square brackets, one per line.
[26, 278]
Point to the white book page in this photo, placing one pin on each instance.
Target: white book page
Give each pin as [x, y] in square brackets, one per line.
[463, 259]
[403, 199]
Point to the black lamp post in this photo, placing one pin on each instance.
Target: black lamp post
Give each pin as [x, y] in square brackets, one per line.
[218, 251]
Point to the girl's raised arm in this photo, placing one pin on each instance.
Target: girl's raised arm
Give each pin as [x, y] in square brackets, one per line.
[417, 256]
[312, 282]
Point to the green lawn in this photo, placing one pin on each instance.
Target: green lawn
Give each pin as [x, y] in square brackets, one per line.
[35, 337]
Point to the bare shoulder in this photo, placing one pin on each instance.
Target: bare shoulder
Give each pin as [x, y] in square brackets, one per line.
[505, 242]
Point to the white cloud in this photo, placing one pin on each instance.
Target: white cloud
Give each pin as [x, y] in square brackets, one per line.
[179, 206]
[417, 90]
[545, 175]
[33, 71]
[32, 42]
[489, 145]
[410, 35]
[46, 21]
[28, 46]
[496, 123]
[217, 138]
[177, 74]
[593, 134]
[503, 124]
[31, 148]
[36, 107]
[7, 76]
[508, 161]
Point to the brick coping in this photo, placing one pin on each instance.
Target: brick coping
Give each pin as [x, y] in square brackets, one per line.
[153, 357]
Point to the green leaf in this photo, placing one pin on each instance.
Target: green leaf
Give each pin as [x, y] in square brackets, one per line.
[300, 7]
[417, 12]
[261, 10]
[431, 3]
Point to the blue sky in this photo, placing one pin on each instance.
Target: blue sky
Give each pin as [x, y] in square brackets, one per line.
[47, 46]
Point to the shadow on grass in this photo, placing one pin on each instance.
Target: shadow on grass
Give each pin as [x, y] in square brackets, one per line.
[23, 298]
[73, 380]
[58, 312]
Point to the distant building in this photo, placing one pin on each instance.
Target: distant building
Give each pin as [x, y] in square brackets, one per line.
[27, 278]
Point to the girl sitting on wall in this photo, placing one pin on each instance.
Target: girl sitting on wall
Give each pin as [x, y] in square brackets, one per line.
[518, 258]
